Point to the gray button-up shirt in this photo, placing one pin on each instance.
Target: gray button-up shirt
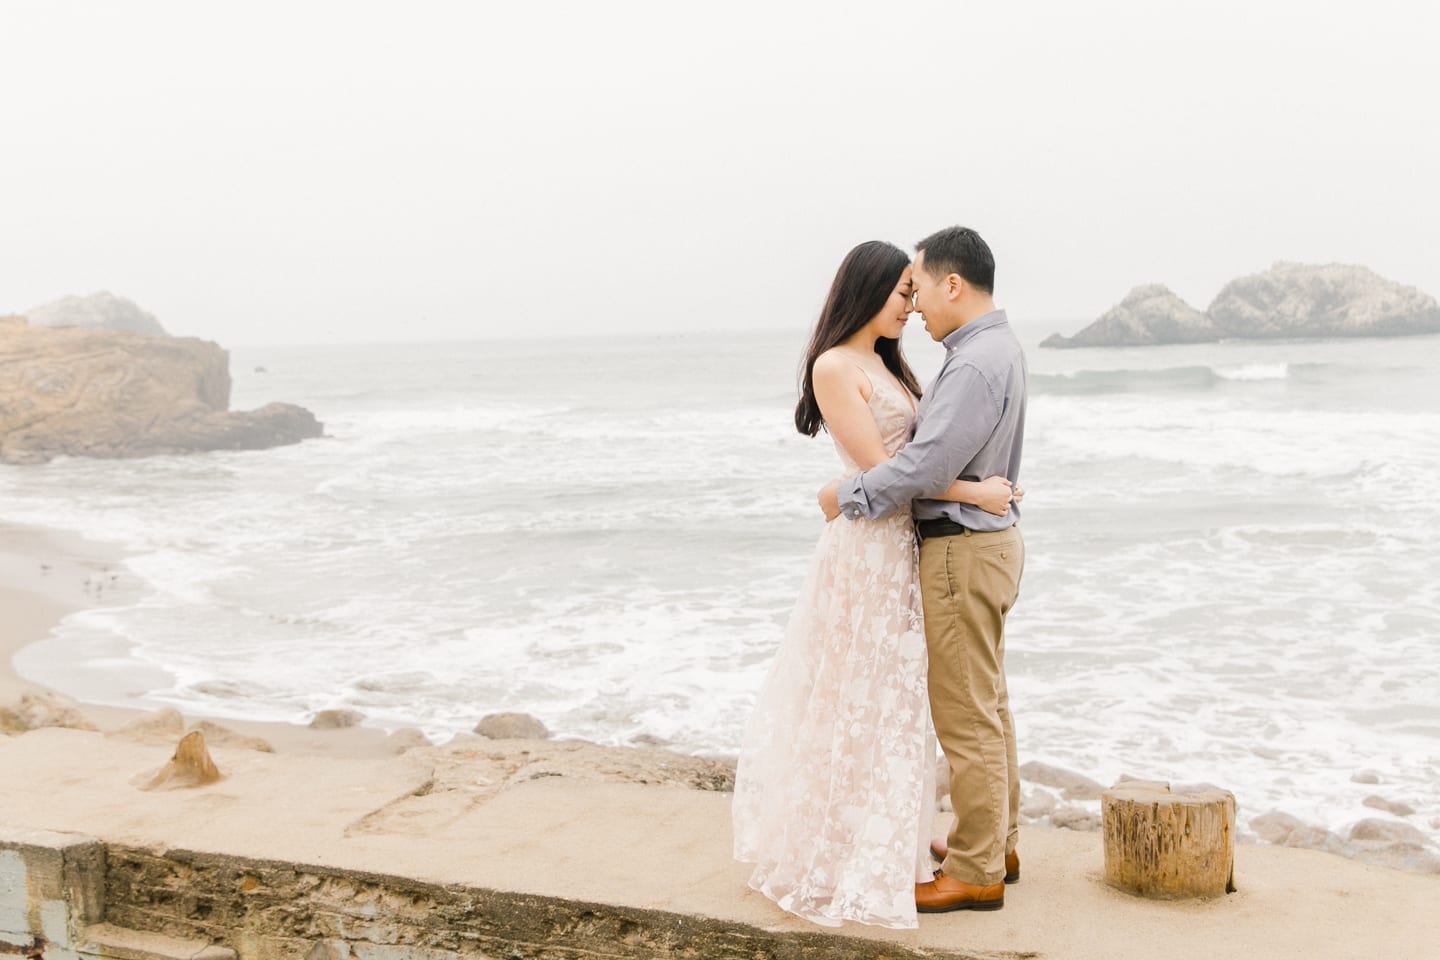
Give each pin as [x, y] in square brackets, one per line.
[971, 423]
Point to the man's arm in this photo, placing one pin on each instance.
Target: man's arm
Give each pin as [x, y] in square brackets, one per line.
[961, 415]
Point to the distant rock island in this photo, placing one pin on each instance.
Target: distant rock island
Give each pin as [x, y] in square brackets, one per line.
[87, 391]
[99, 311]
[1288, 300]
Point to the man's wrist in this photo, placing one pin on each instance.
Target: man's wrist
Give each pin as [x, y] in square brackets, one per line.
[848, 494]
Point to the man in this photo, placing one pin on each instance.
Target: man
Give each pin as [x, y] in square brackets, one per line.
[971, 423]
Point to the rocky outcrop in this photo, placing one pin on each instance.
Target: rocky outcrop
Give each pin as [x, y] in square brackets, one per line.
[1386, 843]
[336, 719]
[1288, 300]
[35, 710]
[1148, 314]
[1074, 786]
[106, 393]
[512, 726]
[1336, 300]
[99, 311]
[1396, 807]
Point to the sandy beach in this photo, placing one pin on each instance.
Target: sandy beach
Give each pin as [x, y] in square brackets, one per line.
[46, 575]
[520, 816]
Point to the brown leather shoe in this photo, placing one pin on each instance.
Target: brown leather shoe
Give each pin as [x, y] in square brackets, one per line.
[938, 849]
[944, 894]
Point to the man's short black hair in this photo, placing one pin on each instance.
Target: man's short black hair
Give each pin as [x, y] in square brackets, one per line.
[959, 250]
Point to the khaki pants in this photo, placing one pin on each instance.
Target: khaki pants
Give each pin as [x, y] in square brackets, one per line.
[968, 583]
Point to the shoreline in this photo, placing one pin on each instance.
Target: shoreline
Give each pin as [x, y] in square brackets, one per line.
[335, 814]
[47, 575]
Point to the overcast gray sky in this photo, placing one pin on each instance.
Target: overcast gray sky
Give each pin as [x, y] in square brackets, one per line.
[307, 172]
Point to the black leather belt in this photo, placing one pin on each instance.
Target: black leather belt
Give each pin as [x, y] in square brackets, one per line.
[927, 529]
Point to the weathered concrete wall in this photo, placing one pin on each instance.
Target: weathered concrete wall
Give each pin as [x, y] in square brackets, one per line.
[55, 891]
[51, 889]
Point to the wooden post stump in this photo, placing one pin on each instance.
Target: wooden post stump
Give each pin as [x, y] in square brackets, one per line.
[1169, 846]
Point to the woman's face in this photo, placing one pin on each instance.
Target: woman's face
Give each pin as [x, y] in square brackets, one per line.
[890, 321]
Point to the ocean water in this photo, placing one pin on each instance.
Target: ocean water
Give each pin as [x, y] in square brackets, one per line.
[1231, 574]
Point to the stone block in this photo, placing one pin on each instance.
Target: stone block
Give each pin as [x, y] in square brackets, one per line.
[52, 885]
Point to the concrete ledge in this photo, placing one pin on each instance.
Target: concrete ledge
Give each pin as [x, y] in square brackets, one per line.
[495, 851]
[274, 909]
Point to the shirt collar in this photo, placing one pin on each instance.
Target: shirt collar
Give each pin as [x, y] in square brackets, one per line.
[983, 322]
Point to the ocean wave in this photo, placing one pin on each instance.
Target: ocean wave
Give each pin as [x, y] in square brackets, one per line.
[1227, 557]
[1164, 379]
[1254, 371]
[443, 420]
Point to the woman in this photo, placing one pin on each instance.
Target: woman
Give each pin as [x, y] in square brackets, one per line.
[834, 795]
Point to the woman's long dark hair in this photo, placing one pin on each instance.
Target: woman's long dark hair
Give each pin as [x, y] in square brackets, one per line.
[865, 280]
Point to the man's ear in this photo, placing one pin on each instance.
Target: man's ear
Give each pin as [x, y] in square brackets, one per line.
[955, 286]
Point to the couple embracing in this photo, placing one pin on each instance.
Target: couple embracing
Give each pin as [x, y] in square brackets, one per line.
[897, 638]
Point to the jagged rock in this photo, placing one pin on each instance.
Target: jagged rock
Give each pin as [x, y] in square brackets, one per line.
[99, 311]
[107, 393]
[1074, 786]
[163, 725]
[225, 737]
[1389, 831]
[1365, 776]
[1083, 791]
[1389, 806]
[336, 719]
[36, 710]
[407, 738]
[1199, 786]
[1317, 838]
[1288, 300]
[1334, 300]
[512, 726]
[1075, 818]
[1037, 803]
[1275, 827]
[1148, 314]
[1400, 856]
[191, 766]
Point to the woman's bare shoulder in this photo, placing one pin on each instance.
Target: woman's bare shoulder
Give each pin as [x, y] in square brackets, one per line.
[836, 366]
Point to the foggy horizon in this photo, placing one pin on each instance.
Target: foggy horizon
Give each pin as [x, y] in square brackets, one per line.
[351, 173]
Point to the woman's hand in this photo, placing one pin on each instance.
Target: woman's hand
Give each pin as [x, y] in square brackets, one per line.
[994, 495]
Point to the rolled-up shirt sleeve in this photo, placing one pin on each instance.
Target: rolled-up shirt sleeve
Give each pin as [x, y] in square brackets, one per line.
[961, 414]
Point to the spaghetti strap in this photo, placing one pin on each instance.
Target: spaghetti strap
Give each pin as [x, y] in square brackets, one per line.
[866, 374]
[890, 380]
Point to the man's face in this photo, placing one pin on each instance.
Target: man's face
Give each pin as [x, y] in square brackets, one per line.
[928, 298]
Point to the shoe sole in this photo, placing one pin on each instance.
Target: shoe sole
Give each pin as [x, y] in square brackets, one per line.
[1009, 877]
[964, 905]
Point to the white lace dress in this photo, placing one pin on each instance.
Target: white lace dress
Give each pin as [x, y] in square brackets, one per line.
[834, 795]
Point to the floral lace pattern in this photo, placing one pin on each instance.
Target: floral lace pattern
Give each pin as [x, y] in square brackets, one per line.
[834, 795]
